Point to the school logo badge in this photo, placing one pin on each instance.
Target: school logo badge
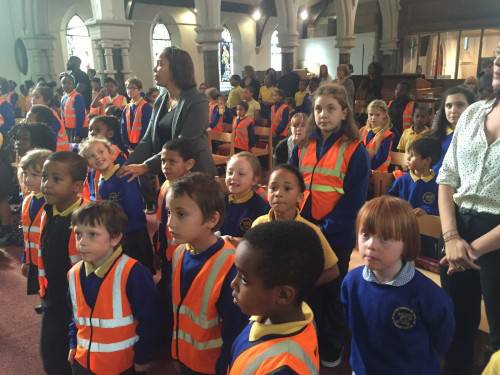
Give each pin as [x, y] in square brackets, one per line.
[246, 224]
[404, 318]
[429, 197]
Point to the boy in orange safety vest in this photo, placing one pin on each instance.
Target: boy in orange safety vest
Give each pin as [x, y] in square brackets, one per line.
[136, 115]
[114, 321]
[31, 213]
[205, 319]
[243, 129]
[73, 110]
[278, 264]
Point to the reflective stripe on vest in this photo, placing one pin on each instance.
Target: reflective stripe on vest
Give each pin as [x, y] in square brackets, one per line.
[240, 131]
[96, 347]
[134, 128]
[31, 231]
[211, 108]
[196, 339]
[276, 116]
[324, 178]
[408, 115]
[374, 145]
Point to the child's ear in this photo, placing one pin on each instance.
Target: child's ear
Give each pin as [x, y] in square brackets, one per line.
[78, 186]
[213, 220]
[287, 295]
[116, 240]
[190, 164]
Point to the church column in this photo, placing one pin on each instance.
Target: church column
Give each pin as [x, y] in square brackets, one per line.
[288, 36]
[109, 69]
[346, 15]
[126, 60]
[389, 41]
[288, 42]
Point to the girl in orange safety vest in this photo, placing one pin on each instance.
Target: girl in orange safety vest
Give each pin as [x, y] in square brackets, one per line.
[377, 136]
[243, 129]
[73, 110]
[136, 115]
[280, 115]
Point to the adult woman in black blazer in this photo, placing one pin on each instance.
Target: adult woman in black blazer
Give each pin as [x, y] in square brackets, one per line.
[181, 113]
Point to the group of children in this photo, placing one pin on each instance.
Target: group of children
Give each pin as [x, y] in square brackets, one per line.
[280, 258]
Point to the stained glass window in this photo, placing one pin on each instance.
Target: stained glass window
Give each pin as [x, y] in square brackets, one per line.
[226, 65]
[161, 40]
[275, 52]
[78, 42]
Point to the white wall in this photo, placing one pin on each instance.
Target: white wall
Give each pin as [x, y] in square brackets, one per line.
[10, 30]
[313, 52]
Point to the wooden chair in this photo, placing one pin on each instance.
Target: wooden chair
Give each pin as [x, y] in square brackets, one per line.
[264, 136]
[226, 138]
[429, 225]
[399, 159]
[381, 182]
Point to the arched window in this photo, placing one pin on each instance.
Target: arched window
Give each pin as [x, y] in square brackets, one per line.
[161, 40]
[78, 41]
[275, 52]
[226, 66]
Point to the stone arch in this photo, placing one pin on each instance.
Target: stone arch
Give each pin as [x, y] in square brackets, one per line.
[171, 25]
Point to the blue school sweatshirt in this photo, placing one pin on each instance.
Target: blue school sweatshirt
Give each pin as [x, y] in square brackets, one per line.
[7, 112]
[240, 214]
[381, 156]
[419, 192]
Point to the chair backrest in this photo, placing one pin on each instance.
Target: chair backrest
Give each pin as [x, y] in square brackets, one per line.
[399, 159]
[381, 182]
[221, 137]
[429, 225]
[265, 134]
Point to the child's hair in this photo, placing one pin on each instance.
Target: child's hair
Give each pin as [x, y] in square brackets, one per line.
[440, 123]
[381, 106]
[66, 75]
[294, 171]
[250, 88]
[299, 116]
[40, 134]
[45, 92]
[113, 111]
[237, 78]
[34, 159]
[280, 93]
[421, 107]
[205, 191]
[243, 105]
[106, 213]
[348, 126]
[96, 80]
[427, 147]
[289, 253]
[405, 84]
[43, 113]
[134, 81]
[212, 93]
[4, 86]
[391, 218]
[91, 141]
[252, 160]
[110, 80]
[76, 164]
[181, 146]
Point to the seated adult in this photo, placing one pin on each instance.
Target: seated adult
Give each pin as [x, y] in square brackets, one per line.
[401, 108]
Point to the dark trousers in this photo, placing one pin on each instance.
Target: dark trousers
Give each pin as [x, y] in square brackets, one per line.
[54, 343]
[466, 288]
[147, 189]
[137, 245]
[77, 369]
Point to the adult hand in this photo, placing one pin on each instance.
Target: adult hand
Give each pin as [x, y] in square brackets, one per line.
[71, 355]
[457, 256]
[132, 171]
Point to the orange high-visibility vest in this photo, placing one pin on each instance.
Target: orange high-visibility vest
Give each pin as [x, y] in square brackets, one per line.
[134, 128]
[211, 107]
[407, 114]
[196, 337]
[72, 253]
[118, 101]
[324, 178]
[276, 116]
[106, 333]
[373, 146]
[240, 130]
[169, 251]
[62, 138]
[299, 352]
[31, 231]
[69, 114]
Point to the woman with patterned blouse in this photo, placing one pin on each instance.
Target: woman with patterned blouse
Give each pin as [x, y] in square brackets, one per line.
[469, 203]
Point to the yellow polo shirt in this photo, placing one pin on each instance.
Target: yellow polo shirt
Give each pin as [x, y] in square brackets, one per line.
[408, 137]
[103, 269]
[253, 105]
[266, 94]
[234, 97]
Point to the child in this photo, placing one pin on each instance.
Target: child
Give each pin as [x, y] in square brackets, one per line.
[31, 213]
[205, 319]
[234, 97]
[454, 102]
[99, 154]
[7, 118]
[278, 265]
[73, 110]
[280, 115]
[400, 320]
[377, 136]
[30, 136]
[253, 105]
[135, 117]
[299, 130]
[152, 94]
[302, 98]
[44, 114]
[418, 186]
[243, 129]
[108, 95]
[419, 128]
[401, 108]
[107, 279]
[63, 174]
[215, 117]
[266, 96]
[243, 205]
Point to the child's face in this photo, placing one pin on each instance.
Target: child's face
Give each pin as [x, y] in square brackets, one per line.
[240, 111]
[94, 243]
[221, 100]
[37, 99]
[283, 192]
[376, 118]
[417, 163]
[421, 119]
[240, 177]
[249, 291]
[58, 185]
[268, 81]
[328, 114]
[185, 219]
[173, 165]
[275, 97]
[454, 106]
[99, 157]
[298, 128]
[99, 128]
[302, 85]
[379, 254]
[67, 85]
[154, 95]
[32, 179]
[111, 88]
[133, 91]
[22, 142]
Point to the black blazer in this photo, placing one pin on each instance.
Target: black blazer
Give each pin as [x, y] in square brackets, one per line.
[190, 121]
